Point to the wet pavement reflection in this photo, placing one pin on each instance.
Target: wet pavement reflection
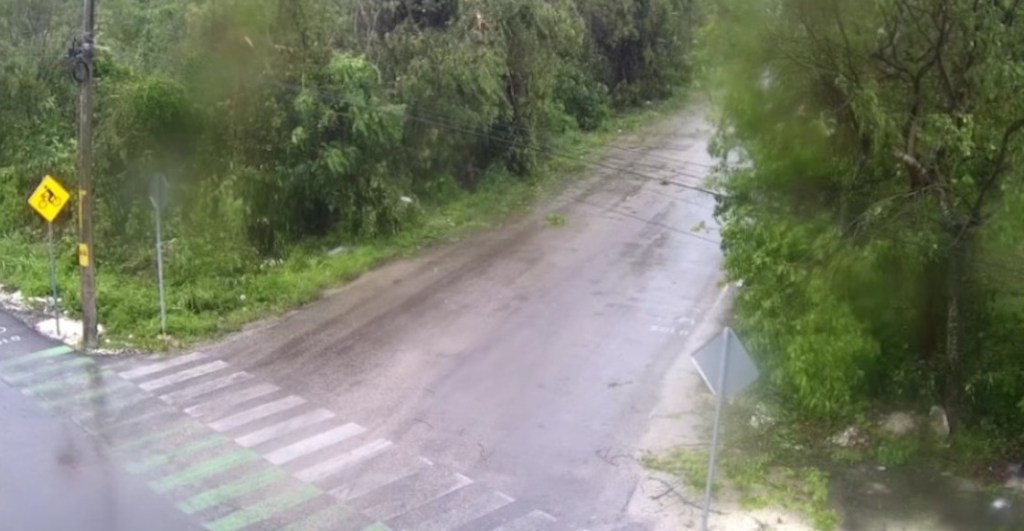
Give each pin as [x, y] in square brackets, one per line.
[918, 498]
[54, 476]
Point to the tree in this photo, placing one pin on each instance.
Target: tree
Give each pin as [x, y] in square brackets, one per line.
[901, 124]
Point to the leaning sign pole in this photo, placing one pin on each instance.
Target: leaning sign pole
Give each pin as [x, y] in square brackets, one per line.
[719, 401]
[727, 370]
[158, 196]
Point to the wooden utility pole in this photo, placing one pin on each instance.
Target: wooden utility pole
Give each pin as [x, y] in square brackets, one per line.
[86, 259]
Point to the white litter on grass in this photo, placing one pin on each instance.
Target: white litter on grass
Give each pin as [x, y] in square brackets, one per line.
[270, 263]
[70, 330]
[14, 300]
[762, 417]
[1000, 504]
[851, 436]
[18, 302]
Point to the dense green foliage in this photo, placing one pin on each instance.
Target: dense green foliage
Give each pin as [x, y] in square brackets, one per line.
[288, 125]
[874, 216]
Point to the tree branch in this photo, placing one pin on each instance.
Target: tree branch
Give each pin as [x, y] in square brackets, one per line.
[998, 168]
[846, 42]
[944, 28]
[929, 179]
[1010, 12]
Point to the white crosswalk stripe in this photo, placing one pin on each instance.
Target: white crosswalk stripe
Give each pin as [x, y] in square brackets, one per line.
[452, 510]
[534, 521]
[373, 478]
[378, 472]
[220, 405]
[283, 428]
[402, 496]
[324, 469]
[161, 366]
[181, 376]
[261, 411]
[197, 390]
[314, 443]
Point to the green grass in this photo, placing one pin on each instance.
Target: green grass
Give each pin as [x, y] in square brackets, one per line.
[229, 288]
[556, 220]
[689, 465]
[791, 463]
[895, 452]
[758, 479]
[768, 467]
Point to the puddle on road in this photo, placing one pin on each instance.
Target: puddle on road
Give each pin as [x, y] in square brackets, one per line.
[909, 499]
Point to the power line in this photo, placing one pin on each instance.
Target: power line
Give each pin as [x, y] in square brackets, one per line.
[557, 154]
[652, 222]
[445, 121]
[436, 114]
[511, 141]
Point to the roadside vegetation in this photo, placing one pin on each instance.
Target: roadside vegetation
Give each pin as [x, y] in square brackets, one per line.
[872, 214]
[872, 209]
[287, 128]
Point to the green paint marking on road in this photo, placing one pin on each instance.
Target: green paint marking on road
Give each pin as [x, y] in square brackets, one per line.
[115, 386]
[74, 380]
[377, 526]
[149, 415]
[132, 444]
[328, 518]
[38, 355]
[203, 470]
[230, 491]
[264, 510]
[55, 384]
[37, 371]
[141, 467]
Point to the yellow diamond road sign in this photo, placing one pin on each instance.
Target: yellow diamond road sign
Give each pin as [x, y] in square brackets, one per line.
[49, 198]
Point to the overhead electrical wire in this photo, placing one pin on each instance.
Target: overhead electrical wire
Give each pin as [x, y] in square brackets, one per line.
[509, 138]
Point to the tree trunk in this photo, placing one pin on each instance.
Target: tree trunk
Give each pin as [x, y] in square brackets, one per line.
[932, 320]
[956, 279]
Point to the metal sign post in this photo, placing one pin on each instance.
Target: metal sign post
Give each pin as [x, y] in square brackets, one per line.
[727, 370]
[720, 399]
[48, 200]
[157, 196]
[53, 276]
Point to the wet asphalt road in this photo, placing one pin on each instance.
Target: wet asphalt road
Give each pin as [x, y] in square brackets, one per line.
[499, 383]
[502, 383]
[53, 475]
[529, 357]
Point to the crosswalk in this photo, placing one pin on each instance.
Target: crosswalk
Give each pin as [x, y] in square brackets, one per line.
[237, 452]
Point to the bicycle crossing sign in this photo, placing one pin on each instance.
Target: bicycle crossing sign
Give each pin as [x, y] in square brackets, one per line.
[49, 198]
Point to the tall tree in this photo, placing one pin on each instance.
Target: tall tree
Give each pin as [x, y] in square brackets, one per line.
[905, 122]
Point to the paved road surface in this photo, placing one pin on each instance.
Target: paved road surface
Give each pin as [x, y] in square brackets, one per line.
[503, 382]
[53, 475]
[528, 358]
